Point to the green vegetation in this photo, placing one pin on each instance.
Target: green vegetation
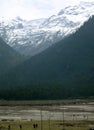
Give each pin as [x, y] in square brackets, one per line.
[46, 92]
[65, 70]
[46, 125]
[9, 58]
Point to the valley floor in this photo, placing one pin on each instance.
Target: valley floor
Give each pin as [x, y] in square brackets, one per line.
[55, 110]
[48, 115]
[47, 125]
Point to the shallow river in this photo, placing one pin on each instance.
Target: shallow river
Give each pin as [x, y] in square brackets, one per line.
[67, 112]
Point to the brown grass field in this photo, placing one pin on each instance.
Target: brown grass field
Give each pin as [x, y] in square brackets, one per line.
[46, 125]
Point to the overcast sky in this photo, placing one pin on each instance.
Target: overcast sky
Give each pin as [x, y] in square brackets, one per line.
[33, 9]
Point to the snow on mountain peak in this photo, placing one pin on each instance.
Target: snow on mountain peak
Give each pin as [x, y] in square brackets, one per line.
[32, 37]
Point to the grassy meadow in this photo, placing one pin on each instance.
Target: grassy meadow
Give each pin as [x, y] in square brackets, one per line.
[46, 125]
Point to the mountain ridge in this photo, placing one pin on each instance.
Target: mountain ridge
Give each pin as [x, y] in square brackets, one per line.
[65, 68]
[8, 57]
[32, 37]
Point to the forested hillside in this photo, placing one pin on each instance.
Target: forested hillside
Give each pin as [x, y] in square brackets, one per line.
[65, 70]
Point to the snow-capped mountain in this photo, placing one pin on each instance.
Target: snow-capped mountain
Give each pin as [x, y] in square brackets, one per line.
[32, 37]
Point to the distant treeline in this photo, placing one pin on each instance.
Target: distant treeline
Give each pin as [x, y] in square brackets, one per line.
[46, 92]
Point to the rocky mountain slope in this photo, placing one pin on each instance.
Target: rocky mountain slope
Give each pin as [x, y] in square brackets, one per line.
[9, 58]
[66, 69]
[32, 37]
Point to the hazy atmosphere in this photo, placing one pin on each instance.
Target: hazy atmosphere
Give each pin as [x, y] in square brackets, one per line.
[47, 64]
[33, 9]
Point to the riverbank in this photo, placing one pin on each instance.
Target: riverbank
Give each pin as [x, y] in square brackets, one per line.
[55, 110]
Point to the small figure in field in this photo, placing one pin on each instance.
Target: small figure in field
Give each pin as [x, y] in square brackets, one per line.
[8, 127]
[35, 125]
[20, 127]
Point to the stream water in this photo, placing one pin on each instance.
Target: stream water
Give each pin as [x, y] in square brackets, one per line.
[59, 112]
